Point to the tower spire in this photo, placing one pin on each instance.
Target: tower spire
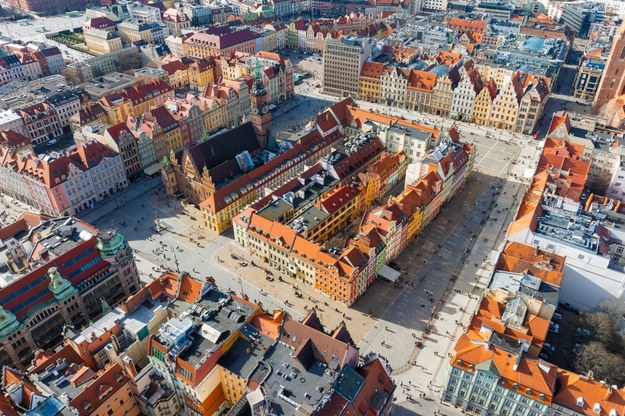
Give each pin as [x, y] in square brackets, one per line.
[259, 111]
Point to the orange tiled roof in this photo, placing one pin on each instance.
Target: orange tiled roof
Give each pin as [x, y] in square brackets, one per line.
[532, 377]
[105, 386]
[597, 397]
[521, 258]
[372, 70]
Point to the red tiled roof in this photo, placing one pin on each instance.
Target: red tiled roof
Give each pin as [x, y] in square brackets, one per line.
[105, 386]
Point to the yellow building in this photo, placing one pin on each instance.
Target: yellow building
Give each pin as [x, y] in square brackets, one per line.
[131, 32]
[177, 73]
[101, 42]
[505, 108]
[480, 111]
[202, 72]
[369, 84]
[329, 214]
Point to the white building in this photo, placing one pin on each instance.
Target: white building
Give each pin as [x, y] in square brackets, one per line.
[144, 13]
[435, 5]
[464, 95]
[592, 273]
[10, 120]
[616, 189]
[66, 105]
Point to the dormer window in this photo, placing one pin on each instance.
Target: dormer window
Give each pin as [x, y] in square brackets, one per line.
[580, 401]
[597, 408]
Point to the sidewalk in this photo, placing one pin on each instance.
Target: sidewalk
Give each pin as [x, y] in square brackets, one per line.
[330, 312]
[117, 200]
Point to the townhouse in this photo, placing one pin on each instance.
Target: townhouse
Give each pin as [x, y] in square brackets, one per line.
[41, 122]
[135, 100]
[67, 183]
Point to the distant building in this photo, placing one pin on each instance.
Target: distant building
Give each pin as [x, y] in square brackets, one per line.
[343, 60]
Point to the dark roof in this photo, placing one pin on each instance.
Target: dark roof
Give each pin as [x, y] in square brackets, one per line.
[224, 147]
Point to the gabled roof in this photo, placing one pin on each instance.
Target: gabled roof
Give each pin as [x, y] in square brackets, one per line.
[13, 139]
[330, 351]
[174, 66]
[524, 259]
[107, 383]
[587, 396]
[372, 70]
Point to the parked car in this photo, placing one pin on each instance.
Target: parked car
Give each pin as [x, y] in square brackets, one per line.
[583, 332]
[557, 317]
[549, 347]
[577, 348]
[544, 356]
[554, 328]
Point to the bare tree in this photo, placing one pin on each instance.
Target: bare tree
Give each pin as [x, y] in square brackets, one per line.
[604, 365]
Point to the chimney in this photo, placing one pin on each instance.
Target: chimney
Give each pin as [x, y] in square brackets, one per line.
[129, 366]
[93, 336]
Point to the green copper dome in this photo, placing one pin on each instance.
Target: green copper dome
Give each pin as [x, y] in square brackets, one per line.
[59, 286]
[110, 242]
[8, 322]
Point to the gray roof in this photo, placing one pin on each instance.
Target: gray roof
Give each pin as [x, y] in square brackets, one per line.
[288, 386]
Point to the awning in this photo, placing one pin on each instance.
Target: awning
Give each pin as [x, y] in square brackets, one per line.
[389, 274]
[152, 169]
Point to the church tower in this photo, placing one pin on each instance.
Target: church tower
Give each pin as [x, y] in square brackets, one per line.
[612, 84]
[259, 113]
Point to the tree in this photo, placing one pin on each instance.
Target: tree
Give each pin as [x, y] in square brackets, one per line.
[602, 327]
[605, 366]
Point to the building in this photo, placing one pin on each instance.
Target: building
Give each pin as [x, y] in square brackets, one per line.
[11, 120]
[579, 15]
[393, 86]
[63, 184]
[592, 270]
[90, 393]
[214, 352]
[219, 40]
[135, 100]
[176, 21]
[531, 105]
[66, 104]
[71, 265]
[119, 139]
[177, 73]
[370, 81]
[588, 78]
[131, 32]
[612, 83]
[41, 122]
[498, 366]
[343, 60]
[505, 108]
[464, 95]
[144, 13]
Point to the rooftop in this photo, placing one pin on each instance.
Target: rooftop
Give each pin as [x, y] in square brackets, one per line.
[42, 239]
[287, 386]
[203, 325]
[247, 352]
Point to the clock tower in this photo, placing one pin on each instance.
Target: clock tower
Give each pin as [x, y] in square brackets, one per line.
[259, 112]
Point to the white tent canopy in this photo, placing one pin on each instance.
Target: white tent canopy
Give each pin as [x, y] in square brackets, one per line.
[389, 274]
